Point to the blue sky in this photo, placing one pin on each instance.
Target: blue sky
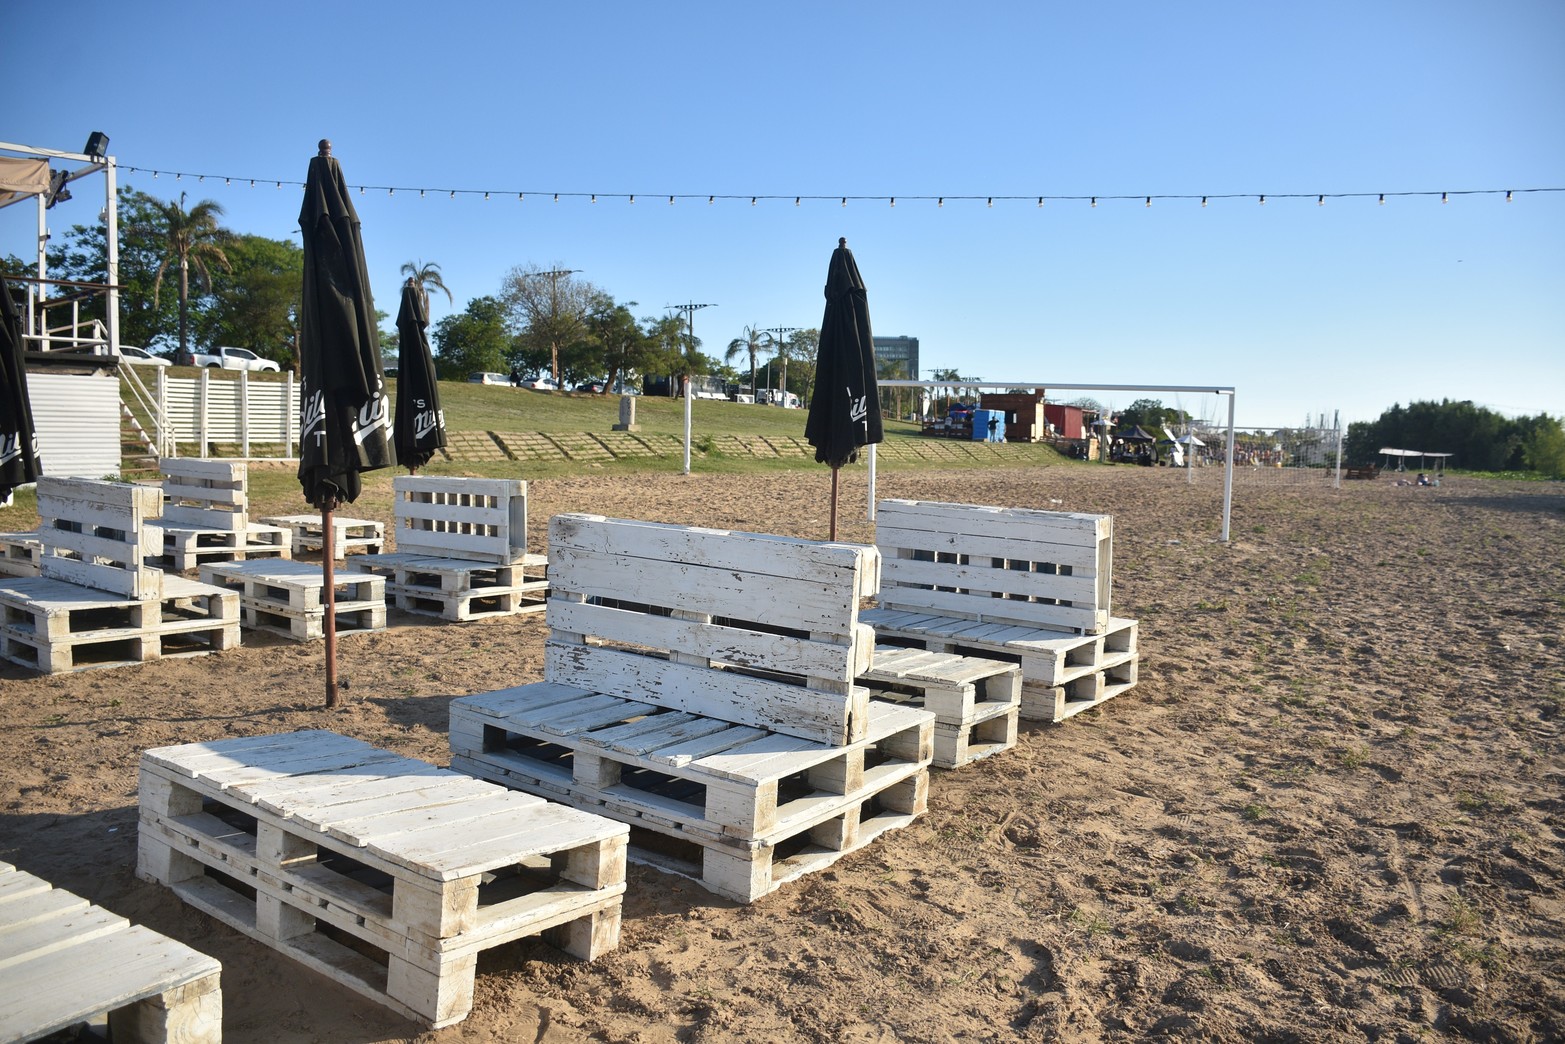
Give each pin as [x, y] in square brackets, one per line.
[1349, 306]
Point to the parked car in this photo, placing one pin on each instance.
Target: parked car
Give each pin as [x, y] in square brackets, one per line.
[131, 354]
[488, 378]
[595, 387]
[234, 359]
[541, 383]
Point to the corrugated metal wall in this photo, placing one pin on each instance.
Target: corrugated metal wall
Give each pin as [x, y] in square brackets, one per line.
[78, 422]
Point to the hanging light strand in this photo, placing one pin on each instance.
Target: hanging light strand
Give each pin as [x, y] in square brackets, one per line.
[988, 200]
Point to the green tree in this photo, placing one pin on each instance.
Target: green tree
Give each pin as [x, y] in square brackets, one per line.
[426, 276]
[83, 256]
[749, 342]
[547, 311]
[190, 238]
[472, 340]
[667, 350]
[806, 347]
[1543, 448]
[623, 345]
[257, 306]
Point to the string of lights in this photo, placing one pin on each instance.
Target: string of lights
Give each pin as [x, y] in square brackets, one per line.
[523, 195]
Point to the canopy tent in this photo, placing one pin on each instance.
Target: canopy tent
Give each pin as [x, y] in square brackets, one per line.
[1403, 454]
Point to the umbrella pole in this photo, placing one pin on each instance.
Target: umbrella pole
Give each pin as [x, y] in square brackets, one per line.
[833, 503]
[328, 564]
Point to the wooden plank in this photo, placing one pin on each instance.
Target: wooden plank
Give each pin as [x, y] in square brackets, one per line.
[1037, 614]
[965, 520]
[982, 579]
[826, 717]
[820, 655]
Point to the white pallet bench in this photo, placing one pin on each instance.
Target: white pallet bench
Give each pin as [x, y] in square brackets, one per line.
[65, 962]
[699, 684]
[976, 702]
[381, 872]
[1062, 674]
[206, 515]
[1042, 569]
[457, 590]
[764, 808]
[288, 598]
[21, 554]
[348, 534]
[55, 627]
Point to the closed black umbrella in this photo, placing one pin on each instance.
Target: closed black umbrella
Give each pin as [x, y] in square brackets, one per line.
[345, 412]
[420, 427]
[845, 407]
[18, 440]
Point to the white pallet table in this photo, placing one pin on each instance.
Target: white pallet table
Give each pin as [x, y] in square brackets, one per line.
[1049, 569]
[64, 961]
[455, 589]
[288, 598]
[1057, 668]
[348, 534]
[21, 554]
[97, 534]
[743, 627]
[762, 807]
[186, 547]
[303, 839]
[483, 520]
[976, 702]
[55, 627]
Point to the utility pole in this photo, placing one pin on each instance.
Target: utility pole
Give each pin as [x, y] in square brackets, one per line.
[778, 333]
[690, 353]
[554, 312]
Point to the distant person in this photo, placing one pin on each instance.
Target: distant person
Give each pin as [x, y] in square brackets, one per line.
[516, 377]
[1423, 479]
[994, 428]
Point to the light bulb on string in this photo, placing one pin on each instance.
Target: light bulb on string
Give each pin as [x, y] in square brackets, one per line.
[520, 196]
[1442, 197]
[420, 193]
[1507, 195]
[671, 201]
[1263, 201]
[632, 199]
[710, 200]
[393, 192]
[556, 197]
[752, 201]
[893, 201]
[155, 177]
[1094, 202]
[361, 190]
[1203, 201]
[795, 200]
[940, 202]
[1320, 201]
[844, 200]
[228, 181]
[991, 201]
[486, 195]
[1040, 201]
[1382, 199]
[453, 193]
[1149, 201]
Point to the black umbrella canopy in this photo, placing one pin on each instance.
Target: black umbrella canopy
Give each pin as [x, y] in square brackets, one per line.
[420, 426]
[1136, 435]
[845, 408]
[345, 410]
[18, 440]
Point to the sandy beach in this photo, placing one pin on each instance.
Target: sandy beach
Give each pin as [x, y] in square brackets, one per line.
[1330, 810]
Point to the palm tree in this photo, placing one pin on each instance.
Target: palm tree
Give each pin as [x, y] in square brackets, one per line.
[190, 237]
[749, 340]
[427, 277]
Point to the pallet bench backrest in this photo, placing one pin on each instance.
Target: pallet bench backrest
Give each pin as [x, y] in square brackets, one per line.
[747, 628]
[96, 534]
[205, 494]
[478, 520]
[1050, 569]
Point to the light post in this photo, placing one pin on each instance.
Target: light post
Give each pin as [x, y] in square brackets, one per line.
[690, 353]
[777, 333]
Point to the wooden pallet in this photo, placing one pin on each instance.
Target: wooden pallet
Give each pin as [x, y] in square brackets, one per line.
[975, 701]
[763, 807]
[21, 554]
[480, 520]
[383, 873]
[1058, 702]
[55, 627]
[459, 590]
[1050, 660]
[96, 534]
[349, 534]
[64, 962]
[1041, 569]
[185, 548]
[288, 598]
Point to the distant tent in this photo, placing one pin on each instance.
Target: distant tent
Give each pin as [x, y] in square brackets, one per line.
[1403, 454]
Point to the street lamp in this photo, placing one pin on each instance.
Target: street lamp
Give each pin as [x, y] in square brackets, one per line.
[777, 333]
[690, 317]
